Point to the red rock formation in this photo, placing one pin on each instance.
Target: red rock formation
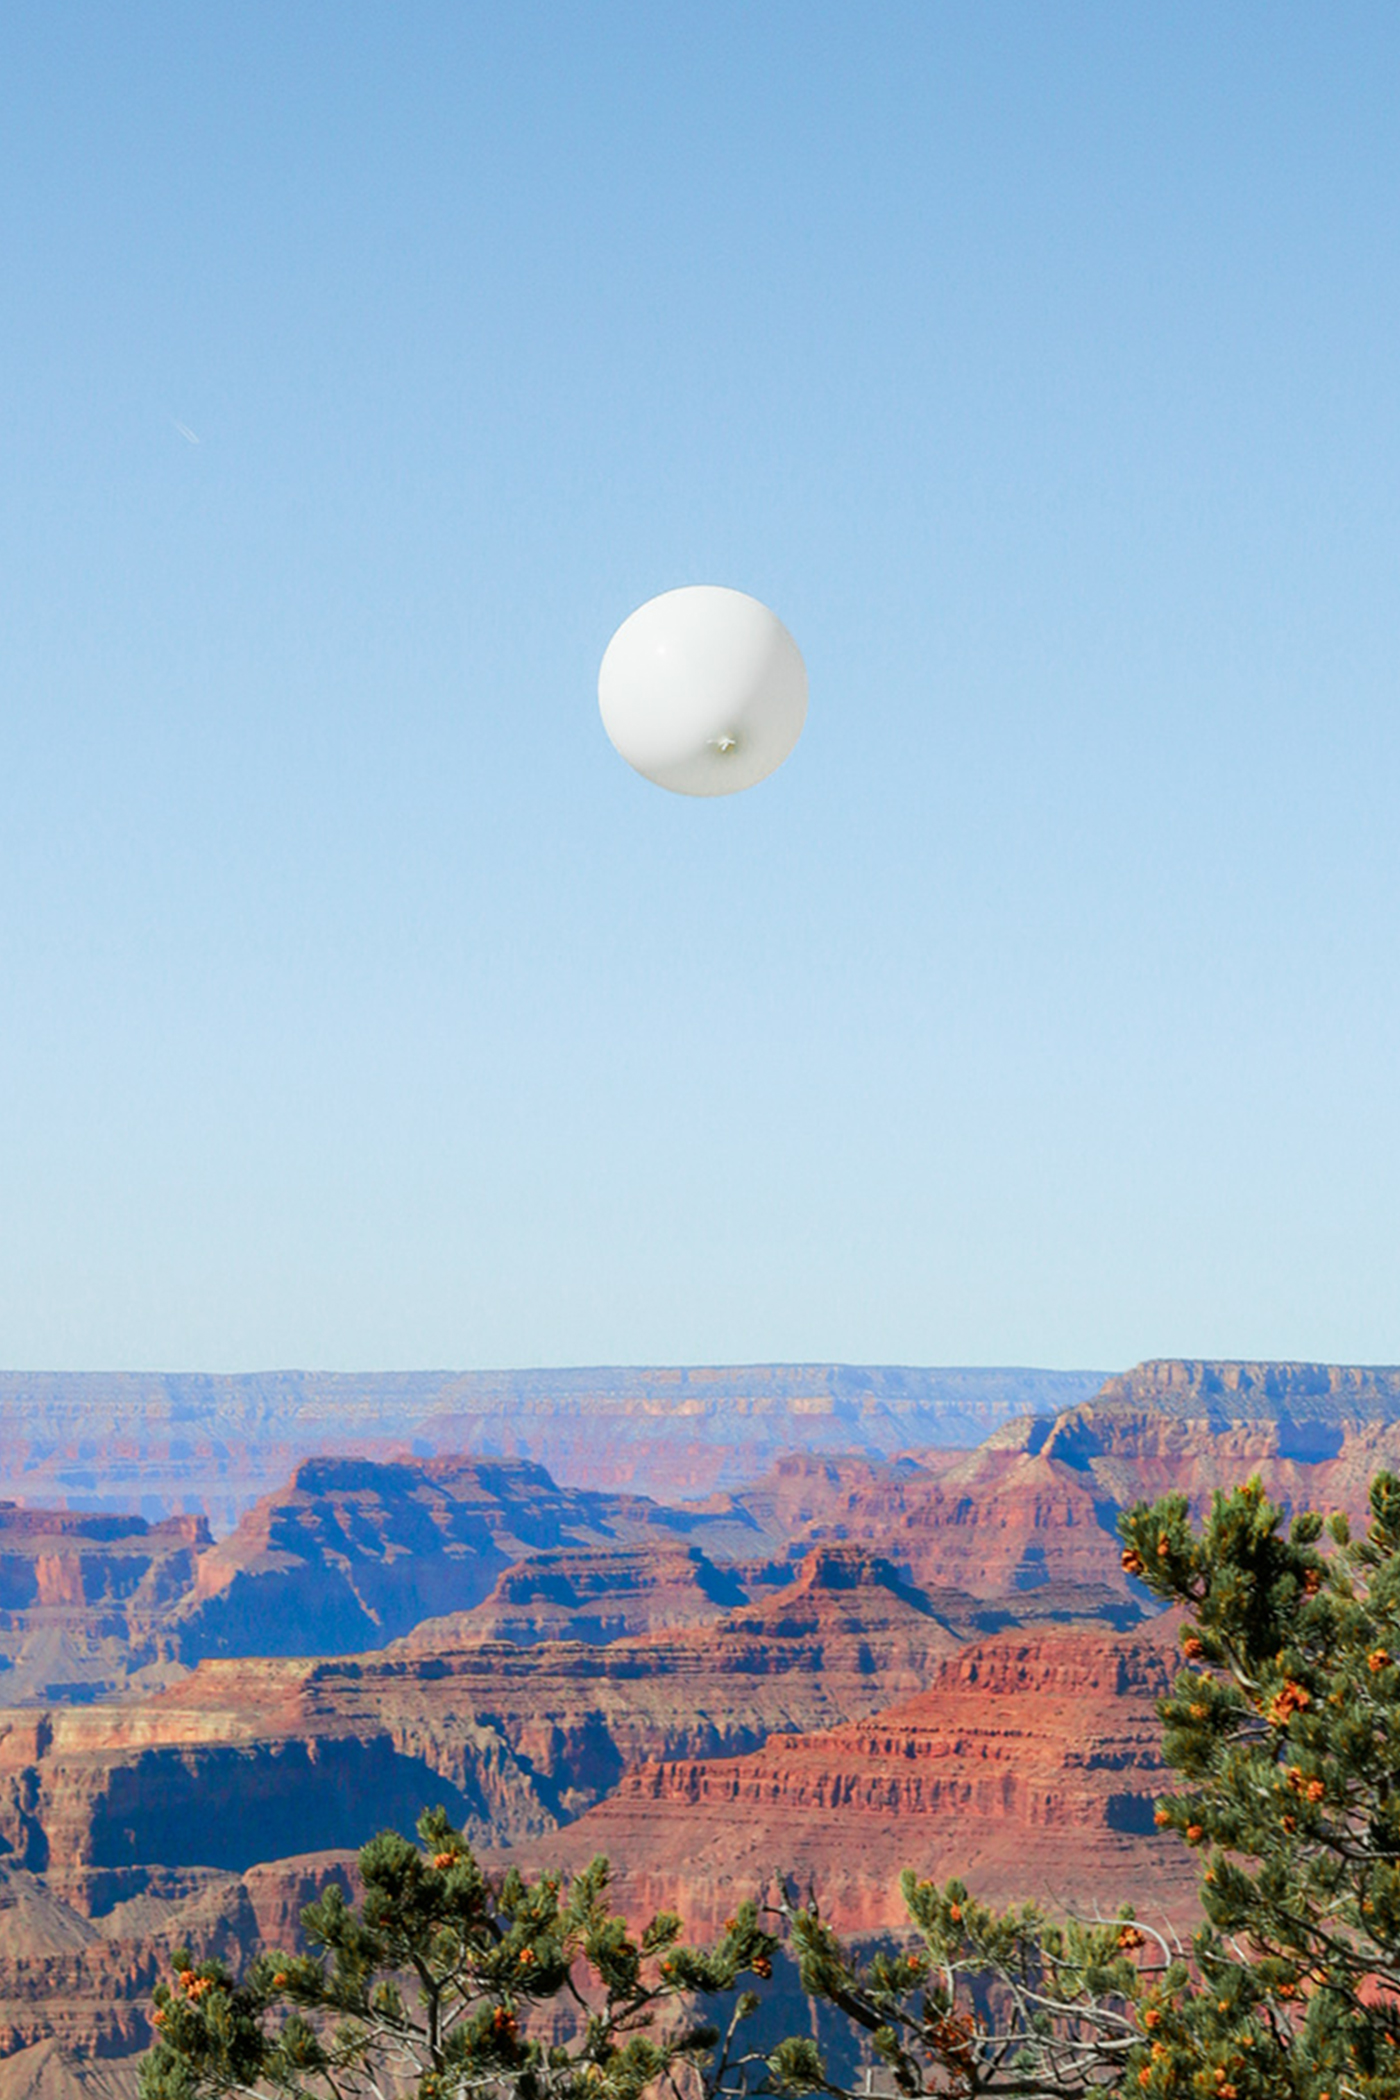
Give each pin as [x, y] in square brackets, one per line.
[1028, 1767]
[243, 1760]
[1230, 1393]
[996, 1526]
[354, 1551]
[84, 1598]
[76, 1985]
[166, 1443]
[704, 1753]
[597, 1597]
[1124, 1451]
[1026, 1524]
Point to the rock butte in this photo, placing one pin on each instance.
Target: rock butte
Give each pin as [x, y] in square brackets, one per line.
[1028, 1766]
[85, 1599]
[246, 1759]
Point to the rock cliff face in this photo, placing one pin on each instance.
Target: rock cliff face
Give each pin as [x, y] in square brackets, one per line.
[1289, 1395]
[576, 1595]
[1123, 1451]
[77, 1988]
[244, 1761]
[1025, 1525]
[995, 1533]
[355, 1551]
[839, 1663]
[162, 1444]
[84, 1599]
[1027, 1766]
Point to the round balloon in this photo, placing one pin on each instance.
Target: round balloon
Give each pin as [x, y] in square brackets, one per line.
[703, 690]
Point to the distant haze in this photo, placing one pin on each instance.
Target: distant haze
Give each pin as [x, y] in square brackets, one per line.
[164, 1443]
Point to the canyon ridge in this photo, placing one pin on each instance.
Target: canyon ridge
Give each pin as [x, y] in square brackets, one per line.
[724, 1626]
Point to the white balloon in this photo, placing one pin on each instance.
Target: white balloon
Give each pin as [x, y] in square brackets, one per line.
[703, 690]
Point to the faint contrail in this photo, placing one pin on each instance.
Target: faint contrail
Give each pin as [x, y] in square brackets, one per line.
[184, 430]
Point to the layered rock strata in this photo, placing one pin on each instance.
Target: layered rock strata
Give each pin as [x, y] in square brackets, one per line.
[1028, 1767]
[995, 1525]
[85, 1599]
[601, 1597]
[76, 1988]
[354, 1552]
[163, 1444]
[246, 1760]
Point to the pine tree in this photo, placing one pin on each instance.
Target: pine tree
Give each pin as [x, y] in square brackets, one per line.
[983, 2001]
[1284, 1729]
[439, 1983]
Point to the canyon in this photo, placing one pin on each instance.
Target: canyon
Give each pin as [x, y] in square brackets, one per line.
[246, 1759]
[353, 1552]
[829, 1665]
[1028, 1767]
[85, 1599]
[169, 1444]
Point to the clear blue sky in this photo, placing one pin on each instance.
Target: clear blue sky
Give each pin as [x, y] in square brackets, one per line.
[363, 366]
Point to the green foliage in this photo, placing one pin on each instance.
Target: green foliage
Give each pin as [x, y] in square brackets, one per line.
[1285, 1731]
[440, 1983]
[982, 2001]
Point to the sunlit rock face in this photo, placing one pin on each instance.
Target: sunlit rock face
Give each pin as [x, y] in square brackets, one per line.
[1027, 1766]
[86, 1598]
[246, 1760]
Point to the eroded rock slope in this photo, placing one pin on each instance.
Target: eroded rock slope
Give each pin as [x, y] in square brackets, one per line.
[1027, 1766]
